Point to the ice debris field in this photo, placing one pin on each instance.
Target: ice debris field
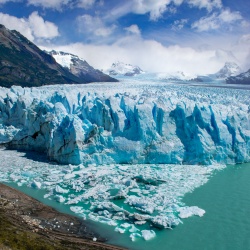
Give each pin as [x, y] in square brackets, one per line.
[136, 200]
[117, 143]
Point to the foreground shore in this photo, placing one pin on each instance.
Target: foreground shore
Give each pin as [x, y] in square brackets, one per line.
[26, 223]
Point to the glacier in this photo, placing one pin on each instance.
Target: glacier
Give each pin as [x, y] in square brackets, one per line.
[122, 154]
[128, 123]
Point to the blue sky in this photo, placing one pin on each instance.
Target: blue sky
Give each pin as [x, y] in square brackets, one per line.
[194, 36]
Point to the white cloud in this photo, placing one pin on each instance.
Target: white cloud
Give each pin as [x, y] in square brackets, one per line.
[179, 24]
[150, 56]
[33, 28]
[217, 20]
[53, 4]
[157, 8]
[6, 1]
[141, 7]
[243, 49]
[19, 24]
[207, 4]
[134, 29]
[41, 28]
[85, 4]
[59, 4]
[245, 39]
[94, 25]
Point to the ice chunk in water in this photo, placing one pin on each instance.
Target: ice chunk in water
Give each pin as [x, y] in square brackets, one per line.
[36, 184]
[60, 198]
[186, 212]
[60, 190]
[148, 234]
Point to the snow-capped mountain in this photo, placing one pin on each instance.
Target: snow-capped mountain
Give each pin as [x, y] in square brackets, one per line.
[229, 69]
[177, 76]
[120, 68]
[243, 78]
[79, 67]
[23, 63]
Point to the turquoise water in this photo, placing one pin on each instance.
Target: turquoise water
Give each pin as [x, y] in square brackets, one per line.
[226, 224]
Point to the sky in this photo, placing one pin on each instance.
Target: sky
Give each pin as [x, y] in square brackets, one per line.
[191, 36]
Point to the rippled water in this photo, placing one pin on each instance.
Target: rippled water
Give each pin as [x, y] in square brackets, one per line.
[226, 224]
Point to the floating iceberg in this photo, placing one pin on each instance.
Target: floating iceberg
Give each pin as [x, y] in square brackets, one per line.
[148, 234]
[186, 212]
[90, 191]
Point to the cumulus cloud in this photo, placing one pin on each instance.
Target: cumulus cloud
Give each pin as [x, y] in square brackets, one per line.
[19, 24]
[217, 20]
[88, 24]
[207, 4]
[134, 29]
[33, 27]
[150, 55]
[155, 8]
[41, 28]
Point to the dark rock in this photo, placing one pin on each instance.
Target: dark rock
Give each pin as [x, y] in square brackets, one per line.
[243, 78]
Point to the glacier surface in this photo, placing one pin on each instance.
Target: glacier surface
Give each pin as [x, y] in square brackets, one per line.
[128, 123]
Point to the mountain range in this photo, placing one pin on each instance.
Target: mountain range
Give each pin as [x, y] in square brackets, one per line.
[23, 63]
[243, 78]
[79, 67]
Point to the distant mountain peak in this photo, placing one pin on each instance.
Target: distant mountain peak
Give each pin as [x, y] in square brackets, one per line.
[23, 63]
[243, 78]
[121, 68]
[79, 67]
[229, 69]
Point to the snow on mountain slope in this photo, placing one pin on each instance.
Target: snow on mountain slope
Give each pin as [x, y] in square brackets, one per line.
[243, 78]
[80, 67]
[64, 59]
[229, 69]
[175, 76]
[22, 63]
[146, 123]
[120, 68]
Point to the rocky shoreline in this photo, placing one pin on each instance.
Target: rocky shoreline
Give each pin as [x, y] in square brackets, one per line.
[26, 223]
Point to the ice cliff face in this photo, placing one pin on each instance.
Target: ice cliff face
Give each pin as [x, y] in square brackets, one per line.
[137, 124]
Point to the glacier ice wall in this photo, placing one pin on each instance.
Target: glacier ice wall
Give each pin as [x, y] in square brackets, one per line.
[128, 124]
